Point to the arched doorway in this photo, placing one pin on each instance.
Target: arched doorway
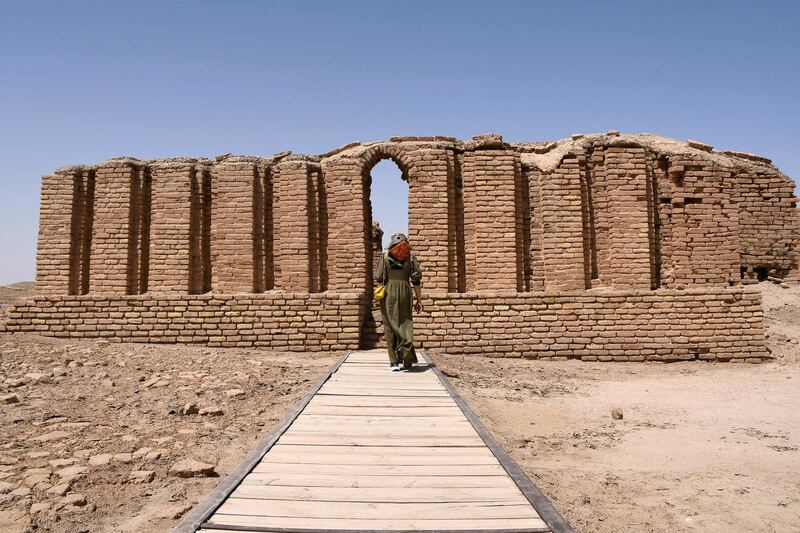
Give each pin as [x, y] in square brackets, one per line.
[386, 194]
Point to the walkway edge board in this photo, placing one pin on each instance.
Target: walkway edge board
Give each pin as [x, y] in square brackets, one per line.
[540, 503]
[203, 511]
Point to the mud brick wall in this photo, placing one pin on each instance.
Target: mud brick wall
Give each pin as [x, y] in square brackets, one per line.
[284, 321]
[663, 325]
[632, 215]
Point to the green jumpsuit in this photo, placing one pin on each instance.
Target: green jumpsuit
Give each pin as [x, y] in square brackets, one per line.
[396, 306]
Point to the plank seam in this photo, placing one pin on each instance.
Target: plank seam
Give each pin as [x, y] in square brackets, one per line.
[203, 511]
[538, 500]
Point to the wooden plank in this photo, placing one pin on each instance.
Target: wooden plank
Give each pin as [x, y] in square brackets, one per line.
[381, 470]
[443, 451]
[408, 482]
[383, 393]
[325, 457]
[301, 438]
[380, 411]
[379, 494]
[407, 524]
[381, 511]
[377, 401]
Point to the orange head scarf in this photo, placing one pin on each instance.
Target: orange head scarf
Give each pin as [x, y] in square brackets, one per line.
[399, 247]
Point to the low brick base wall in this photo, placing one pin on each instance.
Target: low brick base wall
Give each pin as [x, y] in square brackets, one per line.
[285, 321]
[664, 325]
[723, 324]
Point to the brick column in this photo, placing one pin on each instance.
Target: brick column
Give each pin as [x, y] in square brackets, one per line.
[428, 215]
[490, 219]
[170, 227]
[232, 239]
[560, 211]
[347, 226]
[629, 264]
[111, 246]
[53, 263]
[291, 217]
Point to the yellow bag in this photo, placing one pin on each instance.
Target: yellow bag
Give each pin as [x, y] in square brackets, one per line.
[380, 292]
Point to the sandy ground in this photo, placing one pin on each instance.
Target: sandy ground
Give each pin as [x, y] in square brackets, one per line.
[701, 446]
[89, 444]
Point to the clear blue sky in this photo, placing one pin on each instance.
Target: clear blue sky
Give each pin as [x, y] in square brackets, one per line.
[83, 81]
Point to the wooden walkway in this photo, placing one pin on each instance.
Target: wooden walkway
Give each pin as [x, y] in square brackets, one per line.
[374, 450]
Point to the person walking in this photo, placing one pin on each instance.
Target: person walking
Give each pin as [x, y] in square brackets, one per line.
[398, 271]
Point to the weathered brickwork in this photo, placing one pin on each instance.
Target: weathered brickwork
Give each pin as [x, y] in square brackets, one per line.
[599, 246]
[285, 321]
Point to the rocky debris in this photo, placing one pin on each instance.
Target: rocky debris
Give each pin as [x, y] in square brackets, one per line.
[192, 468]
[103, 435]
[142, 476]
[72, 473]
[616, 413]
[699, 145]
[61, 463]
[100, 459]
[39, 507]
[235, 393]
[21, 492]
[61, 489]
[189, 409]
[9, 399]
[76, 500]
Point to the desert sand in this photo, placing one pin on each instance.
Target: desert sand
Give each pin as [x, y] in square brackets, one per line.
[95, 430]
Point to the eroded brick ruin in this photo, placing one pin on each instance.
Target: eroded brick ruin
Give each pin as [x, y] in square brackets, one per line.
[599, 247]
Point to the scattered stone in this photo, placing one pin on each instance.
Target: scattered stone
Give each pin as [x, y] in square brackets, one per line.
[77, 500]
[576, 136]
[141, 452]
[59, 371]
[35, 480]
[190, 468]
[235, 393]
[6, 487]
[613, 133]
[53, 435]
[39, 507]
[142, 476]
[122, 457]
[38, 455]
[154, 455]
[100, 459]
[616, 413]
[71, 473]
[189, 409]
[9, 399]
[61, 489]
[21, 492]
[211, 411]
[699, 145]
[15, 383]
[61, 463]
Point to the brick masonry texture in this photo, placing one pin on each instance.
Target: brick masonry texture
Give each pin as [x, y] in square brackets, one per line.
[600, 247]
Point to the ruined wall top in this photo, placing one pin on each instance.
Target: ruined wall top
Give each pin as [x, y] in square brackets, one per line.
[541, 155]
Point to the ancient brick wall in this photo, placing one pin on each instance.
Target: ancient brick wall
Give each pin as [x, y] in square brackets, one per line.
[645, 218]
